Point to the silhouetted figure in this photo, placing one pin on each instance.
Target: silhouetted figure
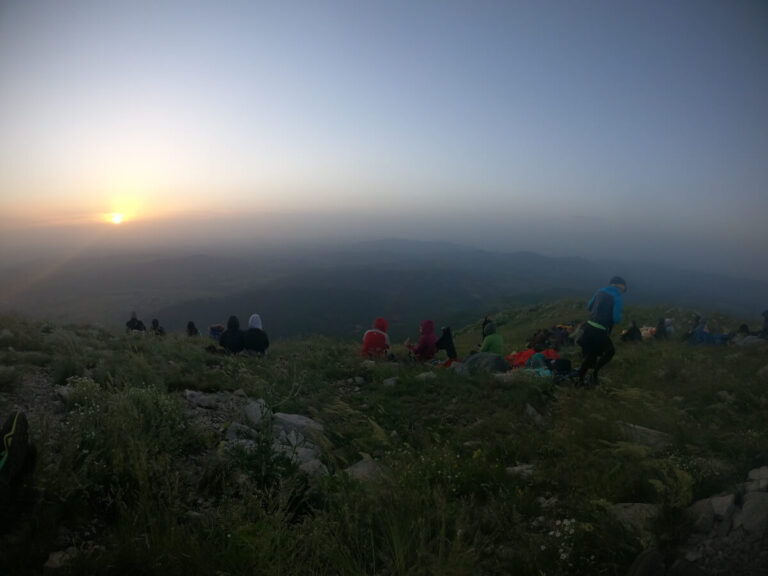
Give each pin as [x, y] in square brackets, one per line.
[232, 338]
[445, 342]
[255, 338]
[425, 347]
[661, 330]
[134, 324]
[764, 331]
[192, 329]
[632, 334]
[376, 340]
[156, 329]
[604, 312]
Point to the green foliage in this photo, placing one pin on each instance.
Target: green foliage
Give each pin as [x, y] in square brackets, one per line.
[170, 499]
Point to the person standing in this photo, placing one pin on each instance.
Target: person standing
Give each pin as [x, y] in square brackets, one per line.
[596, 345]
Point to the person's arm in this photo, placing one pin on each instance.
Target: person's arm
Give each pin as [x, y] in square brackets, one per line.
[617, 310]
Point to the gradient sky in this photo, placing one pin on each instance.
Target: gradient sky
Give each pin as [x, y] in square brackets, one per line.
[603, 129]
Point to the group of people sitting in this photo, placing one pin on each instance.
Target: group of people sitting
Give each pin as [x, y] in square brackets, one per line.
[137, 326]
[233, 340]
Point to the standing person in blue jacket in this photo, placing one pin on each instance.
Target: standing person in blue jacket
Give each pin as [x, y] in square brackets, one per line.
[604, 312]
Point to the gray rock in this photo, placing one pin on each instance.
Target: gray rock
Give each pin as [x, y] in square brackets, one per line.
[758, 473]
[533, 414]
[367, 364]
[367, 470]
[426, 376]
[485, 362]
[301, 423]
[64, 392]
[521, 470]
[314, 468]
[646, 436]
[723, 506]
[636, 516]
[359, 380]
[207, 401]
[6, 334]
[390, 381]
[755, 514]
[255, 410]
[58, 560]
[237, 430]
[701, 515]
[726, 396]
[648, 563]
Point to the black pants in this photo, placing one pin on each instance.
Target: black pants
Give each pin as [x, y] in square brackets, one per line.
[596, 347]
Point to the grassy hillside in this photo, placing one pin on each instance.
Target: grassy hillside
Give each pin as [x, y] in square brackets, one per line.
[478, 475]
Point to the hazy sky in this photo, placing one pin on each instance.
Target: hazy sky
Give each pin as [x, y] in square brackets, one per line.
[572, 128]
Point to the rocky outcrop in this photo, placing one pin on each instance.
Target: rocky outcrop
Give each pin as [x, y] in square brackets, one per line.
[241, 420]
[728, 535]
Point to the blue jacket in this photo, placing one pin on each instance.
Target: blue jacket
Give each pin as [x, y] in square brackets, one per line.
[605, 307]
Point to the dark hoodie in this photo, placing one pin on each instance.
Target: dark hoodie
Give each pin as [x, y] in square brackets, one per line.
[232, 338]
[425, 349]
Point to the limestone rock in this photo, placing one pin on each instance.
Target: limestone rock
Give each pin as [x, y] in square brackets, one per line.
[298, 422]
[255, 410]
[758, 473]
[636, 516]
[647, 436]
[648, 563]
[701, 515]
[723, 506]
[521, 470]
[390, 381]
[533, 414]
[755, 514]
[426, 376]
[367, 470]
[485, 362]
[207, 401]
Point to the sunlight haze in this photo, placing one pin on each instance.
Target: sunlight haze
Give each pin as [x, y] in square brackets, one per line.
[595, 129]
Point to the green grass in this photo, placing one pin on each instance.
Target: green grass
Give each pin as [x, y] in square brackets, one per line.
[146, 492]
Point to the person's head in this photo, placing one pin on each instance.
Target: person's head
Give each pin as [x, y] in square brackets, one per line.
[427, 327]
[191, 325]
[619, 282]
[133, 315]
[233, 323]
[255, 322]
[155, 323]
[490, 328]
[380, 324]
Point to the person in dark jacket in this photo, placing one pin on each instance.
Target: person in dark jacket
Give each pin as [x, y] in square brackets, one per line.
[192, 329]
[232, 338]
[134, 324]
[425, 348]
[604, 312]
[255, 339]
[156, 329]
[764, 331]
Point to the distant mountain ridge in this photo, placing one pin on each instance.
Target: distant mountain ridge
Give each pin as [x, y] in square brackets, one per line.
[339, 290]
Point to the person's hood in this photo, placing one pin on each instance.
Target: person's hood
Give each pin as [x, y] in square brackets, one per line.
[254, 321]
[233, 323]
[380, 324]
[427, 327]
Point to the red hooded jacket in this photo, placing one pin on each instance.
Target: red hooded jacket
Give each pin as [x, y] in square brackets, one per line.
[425, 349]
[376, 340]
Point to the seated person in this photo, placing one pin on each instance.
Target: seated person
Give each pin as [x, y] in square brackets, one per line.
[134, 324]
[192, 329]
[232, 338]
[425, 347]
[492, 342]
[255, 339]
[156, 329]
[376, 340]
[445, 342]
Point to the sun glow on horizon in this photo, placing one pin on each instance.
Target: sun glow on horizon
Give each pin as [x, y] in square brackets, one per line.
[116, 218]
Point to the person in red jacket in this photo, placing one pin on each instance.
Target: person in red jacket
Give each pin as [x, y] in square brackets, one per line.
[425, 349]
[376, 340]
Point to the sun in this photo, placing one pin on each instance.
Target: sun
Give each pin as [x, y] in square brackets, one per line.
[116, 218]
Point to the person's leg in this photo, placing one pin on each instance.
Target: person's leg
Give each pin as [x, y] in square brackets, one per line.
[589, 351]
[605, 356]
